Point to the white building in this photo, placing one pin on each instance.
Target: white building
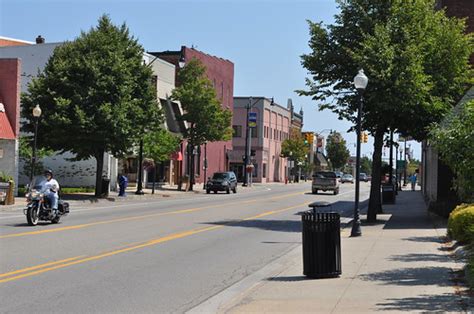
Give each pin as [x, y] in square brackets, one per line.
[73, 174]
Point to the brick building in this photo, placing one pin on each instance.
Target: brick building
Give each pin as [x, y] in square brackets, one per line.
[221, 73]
[273, 127]
[9, 115]
[5, 41]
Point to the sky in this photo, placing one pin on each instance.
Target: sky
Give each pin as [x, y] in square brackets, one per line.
[263, 38]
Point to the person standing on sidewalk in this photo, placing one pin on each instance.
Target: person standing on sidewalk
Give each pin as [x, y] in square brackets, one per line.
[413, 179]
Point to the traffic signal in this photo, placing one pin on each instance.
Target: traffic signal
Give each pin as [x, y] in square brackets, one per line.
[366, 137]
[308, 138]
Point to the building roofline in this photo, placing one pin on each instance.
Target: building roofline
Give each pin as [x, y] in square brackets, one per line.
[262, 97]
[18, 40]
[175, 52]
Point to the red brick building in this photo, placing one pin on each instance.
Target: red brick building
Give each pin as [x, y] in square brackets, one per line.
[9, 116]
[5, 41]
[221, 73]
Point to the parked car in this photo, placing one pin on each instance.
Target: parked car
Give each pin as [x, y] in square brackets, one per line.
[326, 181]
[363, 177]
[222, 181]
[347, 178]
[339, 174]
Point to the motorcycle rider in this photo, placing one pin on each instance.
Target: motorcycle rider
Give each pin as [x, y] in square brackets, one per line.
[51, 190]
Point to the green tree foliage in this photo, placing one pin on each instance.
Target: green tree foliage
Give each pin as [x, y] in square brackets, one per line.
[207, 120]
[337, 151]
[26, 154]
[96, 95]
[454, 139]
[366, 165]
[416, 60]
[159, 145]
[294, 146]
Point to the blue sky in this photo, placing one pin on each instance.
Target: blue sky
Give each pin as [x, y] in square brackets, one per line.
[264, 39]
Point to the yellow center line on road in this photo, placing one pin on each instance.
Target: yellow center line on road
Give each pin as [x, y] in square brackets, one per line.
[39, 266]
[36, 270]
[182, 211]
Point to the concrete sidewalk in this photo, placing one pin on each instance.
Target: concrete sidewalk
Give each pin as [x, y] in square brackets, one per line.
[400, 264]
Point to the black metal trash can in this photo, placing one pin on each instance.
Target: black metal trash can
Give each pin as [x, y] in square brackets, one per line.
[388, 194]
[321, 244]
[105, 187]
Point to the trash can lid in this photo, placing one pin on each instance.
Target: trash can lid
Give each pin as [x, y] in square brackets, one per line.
[319, 204]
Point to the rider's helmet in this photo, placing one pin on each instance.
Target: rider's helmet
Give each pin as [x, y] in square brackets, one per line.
[48, 171]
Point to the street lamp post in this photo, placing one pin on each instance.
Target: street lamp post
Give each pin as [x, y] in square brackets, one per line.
[399, 174]
[36, 116]
[405, 162]
[360, 83]
[205, 165]
[248, 141]
[140, 170]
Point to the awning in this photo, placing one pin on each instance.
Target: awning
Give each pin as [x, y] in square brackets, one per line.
[6, 130]
[177, 156]
[321, 160]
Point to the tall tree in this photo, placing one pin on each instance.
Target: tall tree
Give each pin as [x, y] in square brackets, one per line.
[412, 82]
[96, 96]
[159, 145]
[207, 120]
[294, 146]
[366, 165]
[337, 151]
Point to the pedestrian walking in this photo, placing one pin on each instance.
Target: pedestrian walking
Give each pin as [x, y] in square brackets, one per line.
[413, 179]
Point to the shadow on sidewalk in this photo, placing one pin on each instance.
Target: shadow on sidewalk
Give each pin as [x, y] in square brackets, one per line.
[419, 276]
[424, 303]
[427, 239]
[421, 258]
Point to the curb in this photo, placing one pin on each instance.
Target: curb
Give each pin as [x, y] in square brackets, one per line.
[215, 303]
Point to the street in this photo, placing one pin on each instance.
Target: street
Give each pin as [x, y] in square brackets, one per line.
[164, 255]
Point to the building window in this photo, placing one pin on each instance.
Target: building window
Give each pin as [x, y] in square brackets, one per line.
[264, 170]
[255, 170]
[237, 130]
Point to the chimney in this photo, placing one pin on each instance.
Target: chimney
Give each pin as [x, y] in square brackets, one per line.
[39, 40]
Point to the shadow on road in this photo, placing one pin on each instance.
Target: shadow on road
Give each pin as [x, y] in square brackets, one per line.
[270, 225]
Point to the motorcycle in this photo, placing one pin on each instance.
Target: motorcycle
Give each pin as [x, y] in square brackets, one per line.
[38, 206]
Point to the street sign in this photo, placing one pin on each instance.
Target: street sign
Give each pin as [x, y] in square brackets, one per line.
[400, 164]
[252, 119]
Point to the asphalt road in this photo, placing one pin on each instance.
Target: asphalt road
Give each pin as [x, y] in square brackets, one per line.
[155, 256]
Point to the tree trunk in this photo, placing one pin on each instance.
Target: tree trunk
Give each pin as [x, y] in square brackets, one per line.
[375, 203]
[98, 175]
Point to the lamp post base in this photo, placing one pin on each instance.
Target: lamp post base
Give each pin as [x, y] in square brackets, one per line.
[356, 232]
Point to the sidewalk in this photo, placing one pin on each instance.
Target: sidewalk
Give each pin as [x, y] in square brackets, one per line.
[398, 264]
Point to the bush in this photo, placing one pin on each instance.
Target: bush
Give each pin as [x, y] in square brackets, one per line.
[66, 190]
[461, 223]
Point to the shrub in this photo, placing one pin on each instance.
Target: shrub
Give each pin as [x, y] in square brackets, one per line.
[461, 223]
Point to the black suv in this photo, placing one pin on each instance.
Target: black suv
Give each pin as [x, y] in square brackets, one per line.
[222, 181]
